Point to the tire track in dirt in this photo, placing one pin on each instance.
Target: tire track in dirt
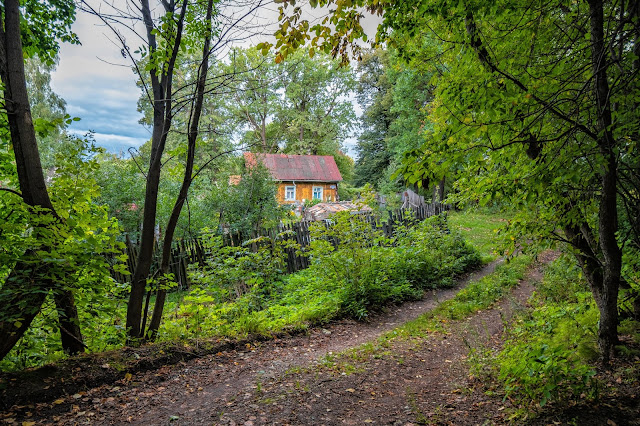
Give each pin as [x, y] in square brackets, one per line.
[425, 382]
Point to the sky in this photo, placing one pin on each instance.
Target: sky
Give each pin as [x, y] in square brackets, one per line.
[99, 86]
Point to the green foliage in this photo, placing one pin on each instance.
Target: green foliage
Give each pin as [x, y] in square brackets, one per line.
[44, 25]
[244, 290]
[542, 374]
[311, 203]
[235, 271]
[519, 114]
[346, 191]
[357, 263]
[78, 245]
[243, 207]
[316, 117]
[251, 204]
[255, 98]
[631, 274]
[549, 347]
[121, 184]
[393, 97]
[84, 228]
[373, 270]
[562, 283]
[298, 106]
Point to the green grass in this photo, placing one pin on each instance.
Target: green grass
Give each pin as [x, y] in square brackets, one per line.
[479, 229]
[476, 296]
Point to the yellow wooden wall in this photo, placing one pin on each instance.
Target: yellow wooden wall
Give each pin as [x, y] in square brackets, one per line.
[304, 191]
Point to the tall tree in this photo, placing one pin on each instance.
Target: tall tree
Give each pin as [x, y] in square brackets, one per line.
[317, 116]
[395, 97]
[375, 96]
[537, 103]
[195, 112]
[28, 284]
[253, 99]
[181, 26]
[299, 105]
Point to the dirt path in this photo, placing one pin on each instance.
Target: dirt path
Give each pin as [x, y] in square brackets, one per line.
[413, 383]
[423, 382]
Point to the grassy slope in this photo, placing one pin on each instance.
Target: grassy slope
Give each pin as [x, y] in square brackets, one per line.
[479, 229]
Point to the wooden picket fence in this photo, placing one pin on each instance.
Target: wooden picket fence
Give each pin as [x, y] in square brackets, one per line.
[193, 251]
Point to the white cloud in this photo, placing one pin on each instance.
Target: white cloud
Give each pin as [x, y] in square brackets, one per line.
[99, 86]
[112, 143]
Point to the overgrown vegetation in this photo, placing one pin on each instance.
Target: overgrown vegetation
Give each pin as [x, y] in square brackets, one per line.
[551, 348]
[245, 290]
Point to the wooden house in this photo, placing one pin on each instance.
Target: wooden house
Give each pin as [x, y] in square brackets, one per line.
[300, 177]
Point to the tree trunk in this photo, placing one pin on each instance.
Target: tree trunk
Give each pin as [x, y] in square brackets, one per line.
[25, 290]
[162, 116]
[194, 123]
[70, 333]
[607, 295]
[23, 137]
[145, 254]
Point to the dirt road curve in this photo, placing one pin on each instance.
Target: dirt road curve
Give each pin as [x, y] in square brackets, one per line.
[280, 382]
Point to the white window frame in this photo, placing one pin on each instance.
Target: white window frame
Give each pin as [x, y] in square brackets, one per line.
[286, 193]
[313, 193]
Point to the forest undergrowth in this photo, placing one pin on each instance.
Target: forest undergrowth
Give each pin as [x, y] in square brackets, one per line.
[244, 291]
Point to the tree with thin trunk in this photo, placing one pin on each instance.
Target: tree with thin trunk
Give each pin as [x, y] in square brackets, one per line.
[192, 137]
[181, 26]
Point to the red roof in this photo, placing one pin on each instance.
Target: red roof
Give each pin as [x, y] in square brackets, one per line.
[313, 168]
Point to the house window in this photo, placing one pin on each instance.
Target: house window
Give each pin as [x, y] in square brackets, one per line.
[290, 193]
[317, 193]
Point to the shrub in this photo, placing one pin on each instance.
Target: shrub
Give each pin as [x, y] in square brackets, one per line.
[375, 271]
[243, 290]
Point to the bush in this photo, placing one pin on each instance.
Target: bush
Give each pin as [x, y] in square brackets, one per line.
[243, 290]
[375, 271]
[540, 373]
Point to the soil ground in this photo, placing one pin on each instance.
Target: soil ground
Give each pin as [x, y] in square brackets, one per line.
[290, 380]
